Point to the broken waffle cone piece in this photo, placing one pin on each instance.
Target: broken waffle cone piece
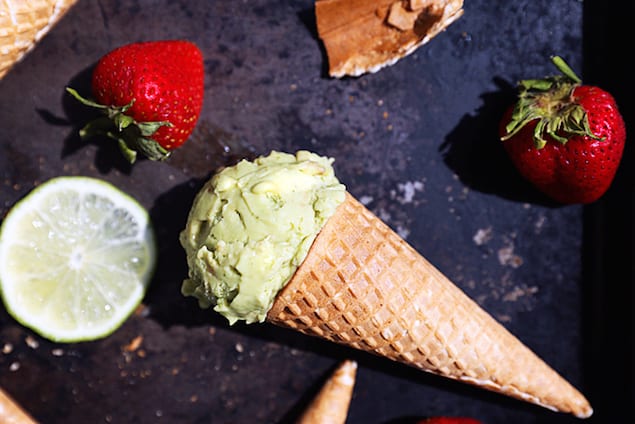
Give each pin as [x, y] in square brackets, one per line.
[23, 23]
[331, 404]
[363, 286]
[11, 412]
[364, 36]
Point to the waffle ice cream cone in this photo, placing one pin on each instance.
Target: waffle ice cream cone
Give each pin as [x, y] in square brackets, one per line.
[331, 404]
[23, 23]
[364, 36]
[363, 286]
[280, 240]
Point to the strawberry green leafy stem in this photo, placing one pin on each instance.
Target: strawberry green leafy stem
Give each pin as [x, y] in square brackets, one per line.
[550, 101]
[132, 137]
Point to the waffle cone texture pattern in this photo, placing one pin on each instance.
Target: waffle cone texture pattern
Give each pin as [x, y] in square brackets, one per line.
[363, 286]
[23, 23]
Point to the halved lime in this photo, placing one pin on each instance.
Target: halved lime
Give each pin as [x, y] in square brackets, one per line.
[76, 256]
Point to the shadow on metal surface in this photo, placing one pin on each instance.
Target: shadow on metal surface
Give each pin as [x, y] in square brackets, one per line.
[475, 153]
[608, 241]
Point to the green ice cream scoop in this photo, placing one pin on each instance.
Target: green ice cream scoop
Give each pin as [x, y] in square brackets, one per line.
[250, 228]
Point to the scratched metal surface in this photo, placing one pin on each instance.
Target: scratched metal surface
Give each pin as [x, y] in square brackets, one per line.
[416, 142]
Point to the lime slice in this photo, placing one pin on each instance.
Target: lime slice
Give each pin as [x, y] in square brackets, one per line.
[76, 256]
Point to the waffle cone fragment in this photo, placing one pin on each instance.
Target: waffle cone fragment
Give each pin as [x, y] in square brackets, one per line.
[23, 23]
[363, 286]
[330, 405]
[11, 412]
[364, 36]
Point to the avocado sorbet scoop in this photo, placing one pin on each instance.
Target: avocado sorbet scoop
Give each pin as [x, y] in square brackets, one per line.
[250, 228]
[280, 240]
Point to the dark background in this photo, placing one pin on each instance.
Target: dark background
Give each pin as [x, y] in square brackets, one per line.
[416, 141]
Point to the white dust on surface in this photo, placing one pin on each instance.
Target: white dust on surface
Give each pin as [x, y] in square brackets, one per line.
[504, 289]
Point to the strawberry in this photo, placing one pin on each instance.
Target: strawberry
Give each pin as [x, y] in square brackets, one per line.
[151, 94]
[449, 420]
[564, 137]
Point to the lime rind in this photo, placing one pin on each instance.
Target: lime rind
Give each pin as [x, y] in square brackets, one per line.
[76, 257]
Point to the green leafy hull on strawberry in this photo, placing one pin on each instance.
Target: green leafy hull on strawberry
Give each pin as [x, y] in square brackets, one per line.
[151, 95]
[565, 137]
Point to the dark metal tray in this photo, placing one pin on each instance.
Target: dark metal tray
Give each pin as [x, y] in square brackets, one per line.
[417, 141]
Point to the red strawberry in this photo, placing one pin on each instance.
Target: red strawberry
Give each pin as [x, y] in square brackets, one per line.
[449, 420]
[565, 137]
[151, 94]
